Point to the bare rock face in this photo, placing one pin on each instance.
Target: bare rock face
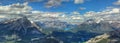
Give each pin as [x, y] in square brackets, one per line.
[97, 39]
[111, 37]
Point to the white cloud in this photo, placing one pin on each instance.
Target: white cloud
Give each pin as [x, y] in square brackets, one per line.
[116, 10]
[81, 8]
[2, 16]
[33, 0]
[112, 14]
[75, 12]
[117, 3]
[52, 3]
[56, 3]
[15, 10]
[78, 1]
[36, 12]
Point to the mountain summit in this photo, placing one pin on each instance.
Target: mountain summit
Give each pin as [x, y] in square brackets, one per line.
[21, 30]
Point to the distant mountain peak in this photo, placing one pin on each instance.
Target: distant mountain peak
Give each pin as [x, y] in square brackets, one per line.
[21, 27]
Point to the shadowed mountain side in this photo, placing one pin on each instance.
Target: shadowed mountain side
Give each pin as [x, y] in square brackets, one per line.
[101, 27]
[21, 30]
[70, 37]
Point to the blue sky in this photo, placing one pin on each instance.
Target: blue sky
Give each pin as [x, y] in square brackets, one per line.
[70, 6]
[91, 5]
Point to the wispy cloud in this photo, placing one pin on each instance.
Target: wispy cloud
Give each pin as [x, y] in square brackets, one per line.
[33, 0]
[55, 3]
[52, 3]
[117, 3]
[81, 8]
[78, 1]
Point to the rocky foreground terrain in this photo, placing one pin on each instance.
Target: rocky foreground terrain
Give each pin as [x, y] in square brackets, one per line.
[111, 37]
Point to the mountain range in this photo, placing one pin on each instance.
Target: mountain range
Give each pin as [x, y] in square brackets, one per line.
[22, 30]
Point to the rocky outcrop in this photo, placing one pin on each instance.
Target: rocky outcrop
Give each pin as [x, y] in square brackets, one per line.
[97, 39]
[111, 37]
